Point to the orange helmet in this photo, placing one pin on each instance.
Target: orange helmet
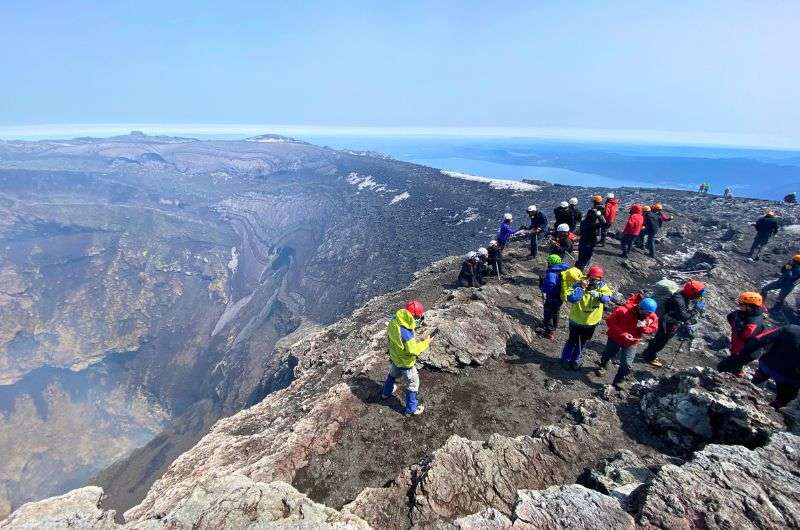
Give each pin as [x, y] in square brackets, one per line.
[657, 206]
[751, 298]
[416, 308]
[645, 208]
[597, 198]
[796, 258]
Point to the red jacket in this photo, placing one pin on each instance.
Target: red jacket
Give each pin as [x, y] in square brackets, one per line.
[635, 221]
[622, 321]
[610, 210]
[744, 326]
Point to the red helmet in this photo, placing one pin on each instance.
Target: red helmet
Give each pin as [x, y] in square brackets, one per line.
[416, 308]
[693, 288]
[595, 271]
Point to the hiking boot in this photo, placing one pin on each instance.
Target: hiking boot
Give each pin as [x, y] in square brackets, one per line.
[600, 372]
[655, 362]
[565, 365]
[394, 389]
[420, 410]
[620, 386]
[573, 365]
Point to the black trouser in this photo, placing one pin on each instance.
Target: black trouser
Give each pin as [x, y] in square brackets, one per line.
[534, 243]
[784, 393]
[626, 356]
[657, 343]
[640, 240]
[552, 308]
[650, 244]
[496, 265]
[758, 244]
[627, 244]
[603, 231]
[585, 251]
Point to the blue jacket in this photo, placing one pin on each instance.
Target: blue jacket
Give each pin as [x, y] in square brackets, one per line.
[551, 283]
[790, 275]
[505, 232]
[537, 221]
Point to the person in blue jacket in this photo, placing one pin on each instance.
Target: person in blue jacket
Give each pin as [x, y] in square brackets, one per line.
[550, 284]
[786, 282]
[538, 226]
[506, 231]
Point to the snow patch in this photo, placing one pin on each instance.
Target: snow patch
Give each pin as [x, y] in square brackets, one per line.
[470, 214]
[400, 197]
[365, 182]
[233, 264]
[792, 229]
[499, 184]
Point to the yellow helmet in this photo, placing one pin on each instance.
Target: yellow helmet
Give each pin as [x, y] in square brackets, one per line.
[597, 198]
[645, 208]
[657, 206]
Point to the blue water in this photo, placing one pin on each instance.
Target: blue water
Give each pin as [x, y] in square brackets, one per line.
[760, 173]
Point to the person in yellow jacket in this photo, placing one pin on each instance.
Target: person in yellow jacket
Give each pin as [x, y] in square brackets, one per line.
[588, 295]
[404, 348]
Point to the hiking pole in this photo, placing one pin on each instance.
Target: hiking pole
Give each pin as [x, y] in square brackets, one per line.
[675, 355]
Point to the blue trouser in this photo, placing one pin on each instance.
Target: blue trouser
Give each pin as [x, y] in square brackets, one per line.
[627, 243]
[411, 379]
[626, 356]
[579, 335]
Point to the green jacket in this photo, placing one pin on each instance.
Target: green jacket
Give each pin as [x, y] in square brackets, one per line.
[404, 348]
[587, 308]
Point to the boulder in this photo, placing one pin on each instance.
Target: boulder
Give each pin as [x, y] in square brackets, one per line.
[699, 405]
[728, 487]
[570, 506]
[77, 510]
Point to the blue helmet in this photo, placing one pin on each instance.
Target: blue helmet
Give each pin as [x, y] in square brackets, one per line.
[648, 305]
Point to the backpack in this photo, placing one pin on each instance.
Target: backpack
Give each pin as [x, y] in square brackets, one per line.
[663, 291]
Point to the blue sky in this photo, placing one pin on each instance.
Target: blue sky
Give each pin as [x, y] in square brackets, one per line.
[718, 67]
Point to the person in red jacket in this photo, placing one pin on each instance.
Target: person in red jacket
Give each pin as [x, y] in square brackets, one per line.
[610, 215]
[632, 229]
[626, 325]
[746, 322]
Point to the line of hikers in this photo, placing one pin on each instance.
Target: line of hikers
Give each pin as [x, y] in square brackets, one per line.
[670, 310]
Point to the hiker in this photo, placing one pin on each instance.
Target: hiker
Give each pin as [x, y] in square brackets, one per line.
[626, 325]
[780, 362]
[786, 282]
[506, 231]
[652, 224]
[563, 241]
[588, 296]
[483, 264]
[680, 310]
[632, 229]
[561, 214]
[574, 215]
[746, 321]
[702, 189]
[590, 235]
[706, 189]
[610, 215]
[639, 243]
[469, 276]
[597, 204]
[404, 347]
[538, 223]
[790, 198]
[550, 284]
[728, 194]
[494, 259]
[766, 228]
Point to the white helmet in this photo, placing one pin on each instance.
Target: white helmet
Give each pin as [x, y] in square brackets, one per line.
[483, 252]
[564, 204]
[573, 201]
[532, 208]
[493, 243]
[563, 227]
[609, 195]
[508, 217]
[472, 254]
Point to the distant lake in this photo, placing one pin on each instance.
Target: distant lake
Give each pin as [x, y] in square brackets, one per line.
[761, 173]
[513, 172]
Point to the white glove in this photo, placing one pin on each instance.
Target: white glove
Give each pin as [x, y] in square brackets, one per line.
[594, 294]
[640, 324]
